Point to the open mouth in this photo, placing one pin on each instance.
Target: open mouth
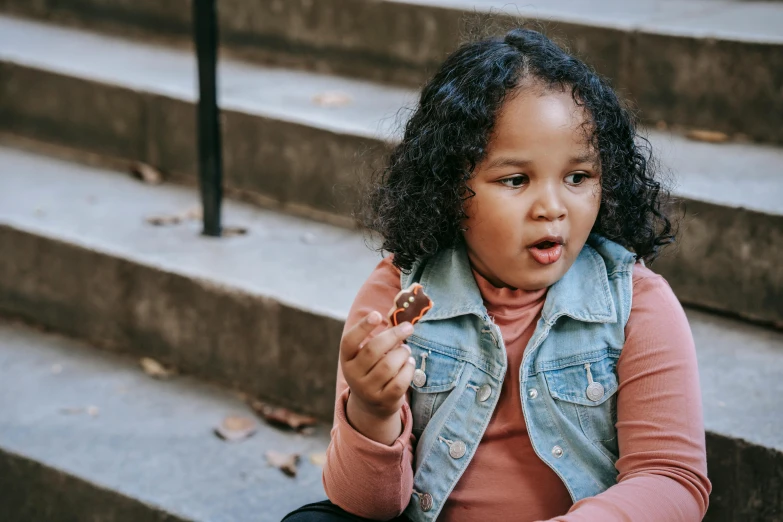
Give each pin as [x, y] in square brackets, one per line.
[548, 251]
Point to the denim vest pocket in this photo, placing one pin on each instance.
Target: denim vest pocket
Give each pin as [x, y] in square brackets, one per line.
[443, 372]
[594, 410]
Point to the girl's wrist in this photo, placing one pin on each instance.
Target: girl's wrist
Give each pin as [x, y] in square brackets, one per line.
[379, 428]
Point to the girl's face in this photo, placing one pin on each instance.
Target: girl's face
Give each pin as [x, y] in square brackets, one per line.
[538, 192]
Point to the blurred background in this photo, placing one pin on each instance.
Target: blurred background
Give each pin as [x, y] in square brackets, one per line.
[173, 279]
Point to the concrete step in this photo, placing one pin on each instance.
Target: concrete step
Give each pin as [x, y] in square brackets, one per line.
[147, 453]
[702, 63]
[136, 102]
[263, 312]
[245, 311]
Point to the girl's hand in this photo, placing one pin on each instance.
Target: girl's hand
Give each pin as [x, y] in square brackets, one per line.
[378, 372]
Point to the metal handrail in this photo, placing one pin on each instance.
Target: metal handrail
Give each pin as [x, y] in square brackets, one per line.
[210, 158]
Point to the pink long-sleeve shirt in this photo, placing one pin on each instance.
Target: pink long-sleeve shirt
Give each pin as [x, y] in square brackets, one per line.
[662, 465]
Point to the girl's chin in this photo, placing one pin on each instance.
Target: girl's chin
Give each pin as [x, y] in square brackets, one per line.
[542, 276]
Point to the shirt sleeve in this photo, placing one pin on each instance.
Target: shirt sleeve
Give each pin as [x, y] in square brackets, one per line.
[362, 476]
[662, 465]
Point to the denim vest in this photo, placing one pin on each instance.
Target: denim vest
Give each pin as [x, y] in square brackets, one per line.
[568, 380]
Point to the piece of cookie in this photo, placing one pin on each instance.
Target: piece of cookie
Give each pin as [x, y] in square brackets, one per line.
[410, 305]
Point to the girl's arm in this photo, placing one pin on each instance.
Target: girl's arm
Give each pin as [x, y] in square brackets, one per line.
[364, 477]
[662, 466]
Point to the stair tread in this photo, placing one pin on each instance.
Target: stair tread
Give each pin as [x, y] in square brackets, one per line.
[702, 171]
[729, 20]
[151, 440]
[310, 265]
[106, 211]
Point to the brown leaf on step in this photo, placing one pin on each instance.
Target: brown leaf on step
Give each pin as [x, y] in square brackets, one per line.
[707, 136]
[236, 427]
[233, 231]
[92, 411]
[191, 214]
[154, 369]
[146, 173]
[285, 462]
[661, 125]
[282, 416]
[319, 459]
[165, 220]
[332, 99]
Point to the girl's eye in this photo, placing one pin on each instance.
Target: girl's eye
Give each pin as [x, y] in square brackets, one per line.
[576, 179]
[514, 181]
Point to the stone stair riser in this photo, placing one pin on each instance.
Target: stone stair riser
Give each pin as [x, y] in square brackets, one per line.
[250, 342]
[681, 80]
[35, 491]
[746, 481]
[727, 259]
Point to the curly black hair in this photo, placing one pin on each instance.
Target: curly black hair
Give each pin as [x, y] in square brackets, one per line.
[416, 203]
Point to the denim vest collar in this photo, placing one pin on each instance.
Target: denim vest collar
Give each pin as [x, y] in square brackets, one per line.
[582, 293]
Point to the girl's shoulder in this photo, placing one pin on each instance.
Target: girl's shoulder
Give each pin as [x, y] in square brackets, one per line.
[377, 292]
[385, 274]
[654, 301]
[645, 280]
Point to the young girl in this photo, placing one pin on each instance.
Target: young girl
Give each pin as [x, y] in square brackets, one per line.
[559, 374]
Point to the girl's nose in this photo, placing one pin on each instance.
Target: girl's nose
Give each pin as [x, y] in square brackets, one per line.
[548, 205]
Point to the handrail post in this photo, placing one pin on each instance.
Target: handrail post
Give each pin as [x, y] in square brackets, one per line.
[210, 166]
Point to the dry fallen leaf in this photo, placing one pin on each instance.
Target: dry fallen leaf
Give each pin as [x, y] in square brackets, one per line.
[332, 99]
[92, 411]
[706, 135]
[191, 214]
[282, 416]
[236, 427]
[164, 220]
[233, 231]
[154, 369]
[146, 173]
[319, 459]
[285, 462]
[661, 125]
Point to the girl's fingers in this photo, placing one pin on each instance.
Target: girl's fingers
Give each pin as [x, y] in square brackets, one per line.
[399, 384]
[378, 346]
[386, 369]
[352, 340]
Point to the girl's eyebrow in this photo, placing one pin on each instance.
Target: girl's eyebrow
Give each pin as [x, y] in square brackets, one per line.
[586, 157]
[509, 162]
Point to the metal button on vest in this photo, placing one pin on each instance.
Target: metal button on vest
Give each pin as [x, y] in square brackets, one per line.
[457, 450]
[595, 392]
[425, 502]
[557, 451]
[484, 392]
[419, 378]
[533, 393]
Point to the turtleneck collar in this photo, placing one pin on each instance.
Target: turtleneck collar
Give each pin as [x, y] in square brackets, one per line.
[508, 303]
